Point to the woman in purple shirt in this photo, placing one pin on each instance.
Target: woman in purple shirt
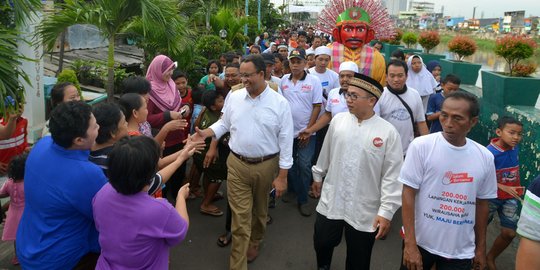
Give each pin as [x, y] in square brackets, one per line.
[135, 229]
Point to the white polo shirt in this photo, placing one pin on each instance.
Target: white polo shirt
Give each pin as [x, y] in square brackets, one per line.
[301, 96]
[336, 102]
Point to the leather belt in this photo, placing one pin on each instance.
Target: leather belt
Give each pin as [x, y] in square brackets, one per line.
[255, 160]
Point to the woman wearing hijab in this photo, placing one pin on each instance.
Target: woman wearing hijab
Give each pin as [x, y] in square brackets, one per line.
[435, 68]
[164, 105]
[420, 79]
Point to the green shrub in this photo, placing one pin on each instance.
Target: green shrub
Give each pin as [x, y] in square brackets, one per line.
[429, 40]
[514, 49]
[68, 75]
[409, 39]
[211, 47]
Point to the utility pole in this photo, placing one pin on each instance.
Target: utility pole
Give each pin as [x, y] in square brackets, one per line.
[259, 15]
[473, 12]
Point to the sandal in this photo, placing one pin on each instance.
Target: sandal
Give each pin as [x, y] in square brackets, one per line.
[224, 240]
[212, 212]
[269, 220]
[218, 196]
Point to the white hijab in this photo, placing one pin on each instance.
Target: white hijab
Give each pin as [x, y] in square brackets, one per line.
[423, 81]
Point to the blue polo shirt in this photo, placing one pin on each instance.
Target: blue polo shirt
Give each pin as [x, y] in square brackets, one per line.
[57, 226]
[434, 105]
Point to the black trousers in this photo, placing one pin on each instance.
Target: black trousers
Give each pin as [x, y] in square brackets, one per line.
[428, 260]
[328, 235]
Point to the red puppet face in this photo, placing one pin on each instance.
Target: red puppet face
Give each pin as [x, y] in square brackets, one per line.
[353, 35]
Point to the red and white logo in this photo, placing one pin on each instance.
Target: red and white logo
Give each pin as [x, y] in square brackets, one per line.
[456, 178]
[378, 142]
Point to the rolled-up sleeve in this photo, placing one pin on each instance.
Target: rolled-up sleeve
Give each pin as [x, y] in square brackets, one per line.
[286, 138]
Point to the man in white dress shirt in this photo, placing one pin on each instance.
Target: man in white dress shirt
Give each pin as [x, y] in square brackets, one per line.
[260, 122]
[360, 160]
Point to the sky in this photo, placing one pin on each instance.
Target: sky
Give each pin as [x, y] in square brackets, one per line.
[490, 8]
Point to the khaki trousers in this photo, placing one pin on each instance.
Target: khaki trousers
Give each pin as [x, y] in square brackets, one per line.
[248, 188]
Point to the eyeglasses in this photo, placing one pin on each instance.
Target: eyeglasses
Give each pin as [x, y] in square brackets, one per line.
[354, 97]
[247, 75]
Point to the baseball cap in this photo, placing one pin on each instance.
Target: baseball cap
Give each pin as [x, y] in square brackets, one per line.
[298, 53]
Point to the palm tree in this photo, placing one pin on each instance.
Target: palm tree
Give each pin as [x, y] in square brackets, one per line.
[13, 16]
[225, 19]
[113, 17]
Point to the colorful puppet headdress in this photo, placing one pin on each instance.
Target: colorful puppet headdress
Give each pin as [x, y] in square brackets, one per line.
[371, 12]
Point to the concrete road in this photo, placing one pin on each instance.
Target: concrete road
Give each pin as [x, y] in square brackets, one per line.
[288, 244]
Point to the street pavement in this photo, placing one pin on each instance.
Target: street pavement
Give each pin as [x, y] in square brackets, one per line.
[288, 244]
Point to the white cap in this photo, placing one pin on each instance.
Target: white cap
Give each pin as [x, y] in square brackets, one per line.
[348, 66]
[309, 51]
[323, 50]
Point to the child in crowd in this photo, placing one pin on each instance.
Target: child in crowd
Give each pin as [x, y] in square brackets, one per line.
[449, 84]
[14, 188]
[505, 149]
[213, 69]
[216, 173]
[135, 110]
[181, 81]
[434, 67]
[278, 66]
[139, 85]
[286, 67]
[62, 92]
[310, 58]
[136, 230]
[398, 54]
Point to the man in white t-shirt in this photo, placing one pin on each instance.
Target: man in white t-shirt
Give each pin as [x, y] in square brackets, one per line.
[447, 181]
[393, 110]
[304, 93]
[329, 80]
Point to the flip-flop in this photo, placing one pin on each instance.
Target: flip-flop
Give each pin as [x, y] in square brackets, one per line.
[224, 240]
[218, 196]
[215, 212]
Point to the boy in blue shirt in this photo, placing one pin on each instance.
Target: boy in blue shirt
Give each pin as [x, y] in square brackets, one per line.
[449, 84]
[505, 150]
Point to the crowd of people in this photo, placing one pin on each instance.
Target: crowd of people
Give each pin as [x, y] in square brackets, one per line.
[106, 186]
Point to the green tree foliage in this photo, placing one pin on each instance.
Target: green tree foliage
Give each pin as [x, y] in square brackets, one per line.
[113, 17]
[225, 19]
[409, 39]
[211, 47]
[12, 16]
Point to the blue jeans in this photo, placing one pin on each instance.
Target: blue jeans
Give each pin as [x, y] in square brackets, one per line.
[299, 176]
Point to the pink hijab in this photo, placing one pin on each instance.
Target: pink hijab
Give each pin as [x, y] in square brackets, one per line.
[163, 93]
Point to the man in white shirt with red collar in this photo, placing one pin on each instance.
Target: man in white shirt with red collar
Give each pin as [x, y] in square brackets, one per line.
[304, 93]
[260, 122]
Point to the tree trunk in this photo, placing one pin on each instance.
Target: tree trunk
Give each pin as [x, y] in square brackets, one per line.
[110, 70]
[61, 53]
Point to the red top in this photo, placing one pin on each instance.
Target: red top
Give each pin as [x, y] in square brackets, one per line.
[17, 143]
